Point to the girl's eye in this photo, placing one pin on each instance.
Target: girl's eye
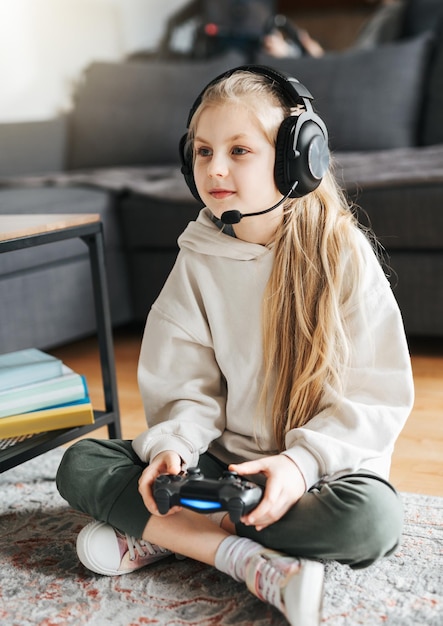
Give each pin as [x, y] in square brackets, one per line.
[203, 152]
[237, 151]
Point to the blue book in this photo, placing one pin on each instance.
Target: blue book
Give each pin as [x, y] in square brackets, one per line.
[27, 366]
[69, 387]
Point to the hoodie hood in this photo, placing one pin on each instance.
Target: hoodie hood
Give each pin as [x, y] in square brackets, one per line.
[204, 237]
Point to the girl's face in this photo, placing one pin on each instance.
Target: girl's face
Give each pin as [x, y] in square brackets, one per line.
[234, 169]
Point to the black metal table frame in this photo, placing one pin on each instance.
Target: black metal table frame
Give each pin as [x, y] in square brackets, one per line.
[92, 234]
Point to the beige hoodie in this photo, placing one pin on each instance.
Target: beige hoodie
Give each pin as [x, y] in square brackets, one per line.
[200, 367]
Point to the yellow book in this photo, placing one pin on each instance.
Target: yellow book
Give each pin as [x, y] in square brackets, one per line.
[47, 419]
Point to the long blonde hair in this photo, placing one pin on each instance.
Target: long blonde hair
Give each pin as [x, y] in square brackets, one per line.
[317, 267]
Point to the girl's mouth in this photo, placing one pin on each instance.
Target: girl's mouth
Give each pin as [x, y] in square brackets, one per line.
[220, 194]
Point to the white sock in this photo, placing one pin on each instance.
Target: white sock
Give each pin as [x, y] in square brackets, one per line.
[269, 574]
[233, 554]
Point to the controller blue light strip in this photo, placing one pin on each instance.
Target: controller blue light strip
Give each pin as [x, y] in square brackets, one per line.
[201, 505]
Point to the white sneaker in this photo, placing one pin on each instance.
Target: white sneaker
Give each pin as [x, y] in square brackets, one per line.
[104, 550]
[294, 586]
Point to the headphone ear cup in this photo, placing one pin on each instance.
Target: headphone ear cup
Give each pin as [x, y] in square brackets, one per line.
[304, 163]
[186, 166]
[282, 147]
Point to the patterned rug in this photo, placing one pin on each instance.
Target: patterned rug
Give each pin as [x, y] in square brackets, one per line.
[43, 584]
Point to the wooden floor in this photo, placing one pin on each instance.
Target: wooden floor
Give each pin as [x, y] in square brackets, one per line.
[418, 457]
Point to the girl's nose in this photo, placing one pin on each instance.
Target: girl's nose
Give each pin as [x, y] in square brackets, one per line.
[218, 166]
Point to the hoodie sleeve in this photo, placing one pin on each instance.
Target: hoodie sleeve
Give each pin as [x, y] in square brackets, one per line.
[182, 389]
[359, 428]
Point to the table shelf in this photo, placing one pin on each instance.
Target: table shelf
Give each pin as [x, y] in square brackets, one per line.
[43, 442]
[24, 231]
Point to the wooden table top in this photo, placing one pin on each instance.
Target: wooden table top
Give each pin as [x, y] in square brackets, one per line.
[17, 226]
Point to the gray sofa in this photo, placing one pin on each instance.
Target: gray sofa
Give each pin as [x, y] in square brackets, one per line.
[45, 292]
[116, 154]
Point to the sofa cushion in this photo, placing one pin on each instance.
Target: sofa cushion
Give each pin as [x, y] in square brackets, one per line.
[149, 221]
[416, 283]
[30, 147]
[149, 270]
[404, 218]
[53, 304]
[432, 128]
[387, 168]
[400, 193]
[135, 113]
[369, 99]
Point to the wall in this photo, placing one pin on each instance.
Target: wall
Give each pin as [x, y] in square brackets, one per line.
[45, 44]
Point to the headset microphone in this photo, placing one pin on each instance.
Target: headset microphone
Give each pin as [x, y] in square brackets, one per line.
[234, 217]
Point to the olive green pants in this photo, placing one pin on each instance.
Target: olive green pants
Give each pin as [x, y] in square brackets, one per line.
[355, 519]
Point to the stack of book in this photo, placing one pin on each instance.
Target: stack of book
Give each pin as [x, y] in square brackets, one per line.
[39, 393]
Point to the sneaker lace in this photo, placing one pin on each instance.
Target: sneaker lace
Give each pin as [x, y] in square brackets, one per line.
[268, 576]
[141, 547]
[270, 584]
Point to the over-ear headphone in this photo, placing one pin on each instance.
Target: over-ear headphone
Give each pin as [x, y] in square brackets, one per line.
[301, 152]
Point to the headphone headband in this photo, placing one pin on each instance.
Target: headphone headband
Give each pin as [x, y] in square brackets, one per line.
[289, 85]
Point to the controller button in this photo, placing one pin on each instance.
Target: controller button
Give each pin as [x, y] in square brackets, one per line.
[194, 472]
[227, 475]
[163, 478]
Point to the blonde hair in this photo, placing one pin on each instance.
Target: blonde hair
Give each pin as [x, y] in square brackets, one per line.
[316, 270]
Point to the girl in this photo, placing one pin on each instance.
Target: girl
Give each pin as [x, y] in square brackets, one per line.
[276, 349]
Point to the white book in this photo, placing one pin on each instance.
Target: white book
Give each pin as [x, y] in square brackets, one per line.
[27, 366]
[69, 387]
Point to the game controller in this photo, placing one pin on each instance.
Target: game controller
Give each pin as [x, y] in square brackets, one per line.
[193, 491]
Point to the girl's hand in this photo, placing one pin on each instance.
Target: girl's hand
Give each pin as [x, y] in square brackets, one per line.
[284, 486]
[167, 462]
